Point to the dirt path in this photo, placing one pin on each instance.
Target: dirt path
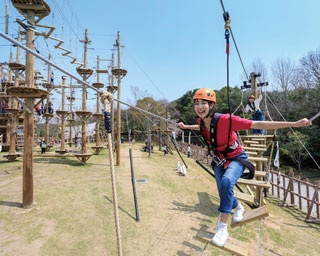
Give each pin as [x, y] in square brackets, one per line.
[73, 210]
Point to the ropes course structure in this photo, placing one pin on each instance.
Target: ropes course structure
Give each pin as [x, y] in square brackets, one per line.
[143, 111]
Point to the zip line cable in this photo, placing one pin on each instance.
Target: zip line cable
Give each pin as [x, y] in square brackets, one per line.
[235, 44]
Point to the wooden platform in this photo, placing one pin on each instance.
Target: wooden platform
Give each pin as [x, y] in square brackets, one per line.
[27, 92]
[98, 85]
[97, 149]
[84, 71]
[252, 215]
[232, 245]
[83, 157]
[97, 116]
[12, 157]
[39, 7]
[118, 72]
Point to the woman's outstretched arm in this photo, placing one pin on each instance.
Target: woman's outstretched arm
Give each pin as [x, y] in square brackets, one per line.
[268, 125]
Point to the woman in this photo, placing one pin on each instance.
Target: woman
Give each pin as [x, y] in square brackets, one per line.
[253, 106]
[225, 162]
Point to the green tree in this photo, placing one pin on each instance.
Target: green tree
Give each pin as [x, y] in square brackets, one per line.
[294, 148]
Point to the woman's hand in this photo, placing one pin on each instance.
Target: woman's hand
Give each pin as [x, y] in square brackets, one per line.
[181, 125]
[303, 122]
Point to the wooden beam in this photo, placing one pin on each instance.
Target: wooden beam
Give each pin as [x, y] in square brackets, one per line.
[232, 245]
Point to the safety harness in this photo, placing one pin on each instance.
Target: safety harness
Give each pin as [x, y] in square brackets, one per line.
[212, 149]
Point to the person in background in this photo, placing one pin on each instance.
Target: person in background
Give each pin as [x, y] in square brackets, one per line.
[38, 108]
[253, 107]
[188, 151]
[4, 106]
[228, 156]
[43, 146]
[165, 150]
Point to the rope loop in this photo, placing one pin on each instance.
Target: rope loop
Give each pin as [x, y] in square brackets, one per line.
[227, 23]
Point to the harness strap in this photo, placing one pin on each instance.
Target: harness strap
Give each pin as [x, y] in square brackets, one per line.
[229, 149]
[248, 165]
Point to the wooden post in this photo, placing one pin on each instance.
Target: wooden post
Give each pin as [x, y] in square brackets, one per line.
[71, 114]
[118, 104]
[299, 192]
[63, 116]
[291, 174]
[27, 200]
[308, 191]
[253, 84]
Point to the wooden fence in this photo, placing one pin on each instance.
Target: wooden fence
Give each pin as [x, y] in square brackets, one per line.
[293, 191]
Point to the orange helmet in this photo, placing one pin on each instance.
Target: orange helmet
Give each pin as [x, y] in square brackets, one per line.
[251, 96]
[205, 94]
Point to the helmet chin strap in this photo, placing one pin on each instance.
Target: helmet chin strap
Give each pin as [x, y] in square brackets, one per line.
[211, 112]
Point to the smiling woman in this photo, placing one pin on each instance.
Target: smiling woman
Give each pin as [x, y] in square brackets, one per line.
[229, 159]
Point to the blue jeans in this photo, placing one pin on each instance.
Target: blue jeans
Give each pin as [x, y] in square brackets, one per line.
[258, 116]
[226, 179]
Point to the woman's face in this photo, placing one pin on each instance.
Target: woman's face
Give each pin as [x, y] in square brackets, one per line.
[202, 108]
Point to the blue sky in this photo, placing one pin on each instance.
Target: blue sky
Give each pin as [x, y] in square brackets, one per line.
[173, 46]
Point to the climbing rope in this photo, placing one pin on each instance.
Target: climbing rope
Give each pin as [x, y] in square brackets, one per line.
[105, 99]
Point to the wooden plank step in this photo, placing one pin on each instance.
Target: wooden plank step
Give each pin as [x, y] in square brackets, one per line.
[254, 149]
[261, 159]
[252, 215]
[260, 174]
[257, 183]
[253, 153]
[257, 145]
[250, 141]
[232, 245]
[258, 139]
[244, 197]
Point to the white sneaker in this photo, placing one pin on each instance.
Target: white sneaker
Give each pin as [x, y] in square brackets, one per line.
[221, 236]
[238, 213]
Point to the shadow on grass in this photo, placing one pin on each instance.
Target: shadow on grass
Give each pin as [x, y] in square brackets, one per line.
[123, 210]
[11, 204]
[205, 206]
[60, 160]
